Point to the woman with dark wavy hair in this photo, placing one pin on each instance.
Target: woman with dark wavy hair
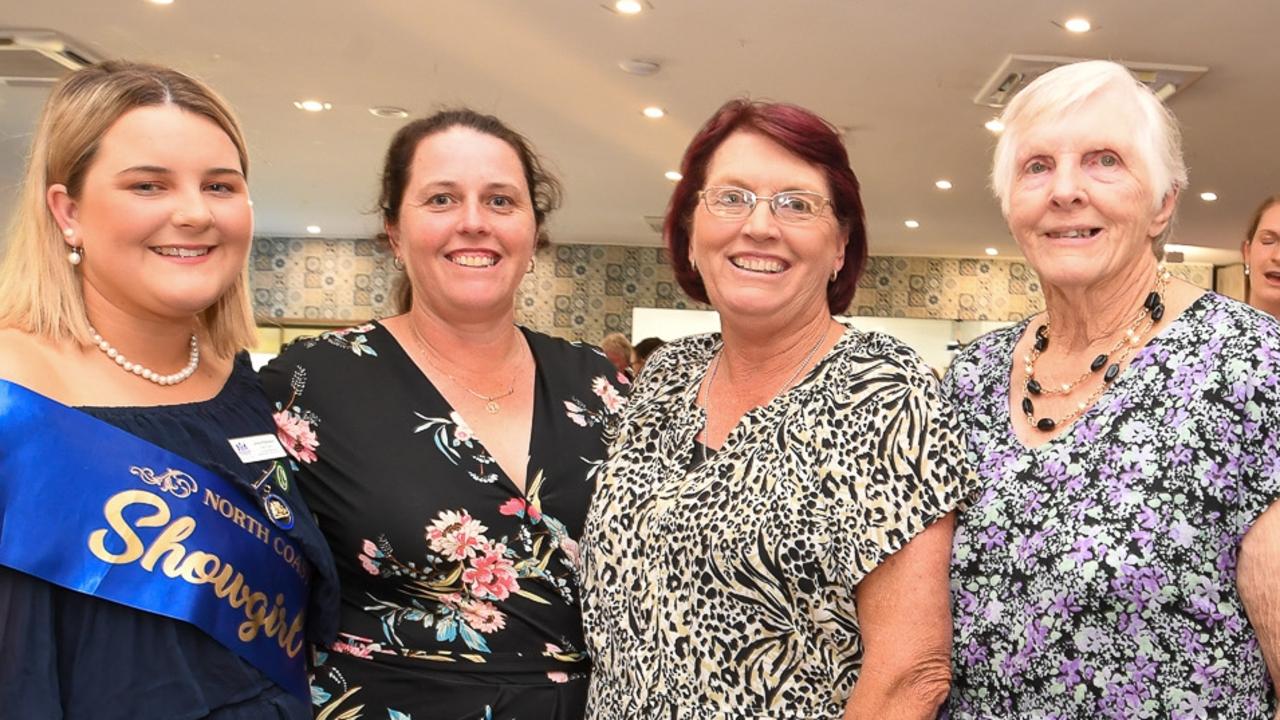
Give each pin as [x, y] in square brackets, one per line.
[449, 453]
[771, 532]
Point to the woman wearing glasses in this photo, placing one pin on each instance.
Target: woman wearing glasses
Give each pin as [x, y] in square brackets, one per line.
[771, 533]
[1261, 251]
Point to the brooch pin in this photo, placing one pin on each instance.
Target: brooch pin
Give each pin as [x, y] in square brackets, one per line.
[277, 510]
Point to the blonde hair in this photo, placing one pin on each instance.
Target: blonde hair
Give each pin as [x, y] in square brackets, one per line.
[39, 290]
[619, 344]
[1057, 93]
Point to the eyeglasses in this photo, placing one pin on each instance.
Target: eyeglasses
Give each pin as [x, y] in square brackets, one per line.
[792, 206]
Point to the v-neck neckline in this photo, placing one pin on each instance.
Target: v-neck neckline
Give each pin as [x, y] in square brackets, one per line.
[536, 418]
[699, 412]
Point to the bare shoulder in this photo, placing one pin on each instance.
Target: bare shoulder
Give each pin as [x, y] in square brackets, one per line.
[30, 361]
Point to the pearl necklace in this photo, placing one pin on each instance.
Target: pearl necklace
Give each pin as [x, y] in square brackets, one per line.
[1149, 314]
[146, 373]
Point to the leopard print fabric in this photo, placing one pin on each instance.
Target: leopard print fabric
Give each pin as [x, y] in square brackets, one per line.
[728, 591]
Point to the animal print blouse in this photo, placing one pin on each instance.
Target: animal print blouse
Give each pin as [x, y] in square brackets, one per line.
[727, 590]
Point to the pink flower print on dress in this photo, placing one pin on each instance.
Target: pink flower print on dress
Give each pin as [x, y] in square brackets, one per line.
[296, 435]
[482, 615]
[519, 507]
[514, 506]
[569, 547]
[368, 558]
[462, 431]
[608, 394]
[491, 575]
[456, 535]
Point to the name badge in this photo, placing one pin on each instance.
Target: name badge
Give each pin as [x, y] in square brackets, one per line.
[256, 448]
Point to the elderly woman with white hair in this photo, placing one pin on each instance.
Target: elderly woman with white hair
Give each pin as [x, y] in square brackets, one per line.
[1120, 558]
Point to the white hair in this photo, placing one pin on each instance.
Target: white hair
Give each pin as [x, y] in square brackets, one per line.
[1058, 92]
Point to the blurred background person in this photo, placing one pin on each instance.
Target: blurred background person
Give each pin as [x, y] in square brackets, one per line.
[644, 349]
[772, 529]
[1120, 560]
[449, 454]
[1261, 252]
[123, 295]
[618, 349]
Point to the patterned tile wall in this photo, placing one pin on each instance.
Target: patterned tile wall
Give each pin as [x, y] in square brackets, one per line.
[584, 292]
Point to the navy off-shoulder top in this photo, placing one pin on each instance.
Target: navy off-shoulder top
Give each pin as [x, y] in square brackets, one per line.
[66, 655]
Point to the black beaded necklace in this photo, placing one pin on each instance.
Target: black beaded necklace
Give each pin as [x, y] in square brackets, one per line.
[1148, 315]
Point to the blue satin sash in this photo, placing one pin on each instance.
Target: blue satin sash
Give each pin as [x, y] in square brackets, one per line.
[92, 508]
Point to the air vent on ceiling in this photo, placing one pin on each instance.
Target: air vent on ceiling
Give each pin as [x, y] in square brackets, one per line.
[654, 222]
[38, 57]
[1018, 71]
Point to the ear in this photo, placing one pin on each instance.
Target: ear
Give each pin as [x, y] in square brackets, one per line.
[62, 206]
[1164, 214]
[393, 235]
[841, 244]
[1244, 251]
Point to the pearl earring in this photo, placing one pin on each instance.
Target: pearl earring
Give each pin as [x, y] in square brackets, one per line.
[693, 264]
[76, 253]
[1246, 270]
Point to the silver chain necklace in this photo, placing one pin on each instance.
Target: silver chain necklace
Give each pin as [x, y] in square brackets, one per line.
[490, 401]
[715, 368]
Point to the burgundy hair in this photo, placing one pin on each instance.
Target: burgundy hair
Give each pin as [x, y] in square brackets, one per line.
[802, 133]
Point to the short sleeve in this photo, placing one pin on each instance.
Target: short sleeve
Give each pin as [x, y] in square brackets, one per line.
[1255, 390]
[903, 469]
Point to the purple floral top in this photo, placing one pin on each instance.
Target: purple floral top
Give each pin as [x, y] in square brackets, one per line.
[1095, 575]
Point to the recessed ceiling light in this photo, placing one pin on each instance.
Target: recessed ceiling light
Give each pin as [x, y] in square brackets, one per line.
[673, 176]
[388, 111]
[1208, 196]
[943, 184]
[992, 251]
[912, 224]
[994, 125]
[312, 105]
[313, 229]
[653, 111]
[639, 67]
[1078, 25]
[628, 7]
[161, 2]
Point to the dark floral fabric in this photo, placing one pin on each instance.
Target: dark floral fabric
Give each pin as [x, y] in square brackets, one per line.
[1094, 576]
[459, 591]
[727, 589]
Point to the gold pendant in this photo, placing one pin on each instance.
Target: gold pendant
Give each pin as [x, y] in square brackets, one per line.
[493, 407]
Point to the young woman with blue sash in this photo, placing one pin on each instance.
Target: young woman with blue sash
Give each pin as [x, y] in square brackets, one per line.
[156, 557]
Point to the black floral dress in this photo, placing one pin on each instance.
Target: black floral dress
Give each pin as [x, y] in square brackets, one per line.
[1095, 575]
[459, 592]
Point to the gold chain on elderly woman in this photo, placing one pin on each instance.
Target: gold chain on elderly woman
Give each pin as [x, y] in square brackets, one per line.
[1148, 315]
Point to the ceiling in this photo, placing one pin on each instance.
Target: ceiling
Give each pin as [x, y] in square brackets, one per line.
[899, 75]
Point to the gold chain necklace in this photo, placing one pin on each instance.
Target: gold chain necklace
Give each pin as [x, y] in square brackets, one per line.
[1148, 315]
[490, 401]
